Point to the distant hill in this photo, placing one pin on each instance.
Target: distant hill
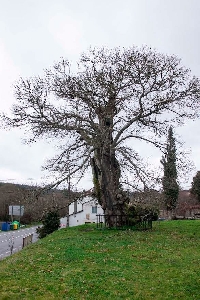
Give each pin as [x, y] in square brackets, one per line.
[34, 199]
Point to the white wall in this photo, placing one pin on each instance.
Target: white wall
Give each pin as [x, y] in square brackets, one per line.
[85, 216]
[79, 207]
[63, 222]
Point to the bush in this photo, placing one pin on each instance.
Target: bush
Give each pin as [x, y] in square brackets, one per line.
[26, 219]
[147, 211]
[51, 223]
[139, 212]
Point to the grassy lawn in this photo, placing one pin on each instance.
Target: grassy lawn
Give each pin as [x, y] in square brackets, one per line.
[85, 263]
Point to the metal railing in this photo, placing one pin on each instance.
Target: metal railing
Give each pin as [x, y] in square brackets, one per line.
[123, 222]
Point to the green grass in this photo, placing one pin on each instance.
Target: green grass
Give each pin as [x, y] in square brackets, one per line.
[86, 263]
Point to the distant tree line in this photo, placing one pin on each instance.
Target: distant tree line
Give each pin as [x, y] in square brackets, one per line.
[34, 199]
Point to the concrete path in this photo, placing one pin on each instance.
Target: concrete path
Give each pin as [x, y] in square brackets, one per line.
[14, 238]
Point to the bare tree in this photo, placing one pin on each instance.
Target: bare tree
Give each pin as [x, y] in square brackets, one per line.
[114, 96]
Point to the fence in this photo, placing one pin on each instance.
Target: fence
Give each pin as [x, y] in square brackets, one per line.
[123, 222]
[27, 240]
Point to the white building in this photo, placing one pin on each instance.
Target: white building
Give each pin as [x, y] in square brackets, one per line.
[82, 212]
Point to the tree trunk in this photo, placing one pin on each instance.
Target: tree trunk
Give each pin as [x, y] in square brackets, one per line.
[106, 174]
[170, 214]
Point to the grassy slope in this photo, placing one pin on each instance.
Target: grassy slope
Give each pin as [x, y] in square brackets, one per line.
[85, 263]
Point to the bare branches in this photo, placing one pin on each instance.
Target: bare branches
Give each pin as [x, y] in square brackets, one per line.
[155, 143]
[70, 167]
[135, 166]
[116, 95]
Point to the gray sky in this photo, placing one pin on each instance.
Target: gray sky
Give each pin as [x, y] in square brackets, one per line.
[36, 33]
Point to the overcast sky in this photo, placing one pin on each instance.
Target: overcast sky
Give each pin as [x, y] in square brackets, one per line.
[36, 33]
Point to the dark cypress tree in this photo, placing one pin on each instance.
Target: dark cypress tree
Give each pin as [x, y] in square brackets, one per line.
[195, 190]
[51, 223]
[169, 180]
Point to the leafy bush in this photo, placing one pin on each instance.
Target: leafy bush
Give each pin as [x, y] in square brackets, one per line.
[139, 212]
[147, 211]
[51, 223]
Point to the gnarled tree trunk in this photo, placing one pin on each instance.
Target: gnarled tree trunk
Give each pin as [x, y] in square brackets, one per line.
[106, 176]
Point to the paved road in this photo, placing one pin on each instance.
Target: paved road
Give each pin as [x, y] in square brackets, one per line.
[15, 238]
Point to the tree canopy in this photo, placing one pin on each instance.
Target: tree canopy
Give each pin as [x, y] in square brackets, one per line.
[114, 96]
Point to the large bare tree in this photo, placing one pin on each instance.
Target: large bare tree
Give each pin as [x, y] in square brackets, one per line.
[114, 96]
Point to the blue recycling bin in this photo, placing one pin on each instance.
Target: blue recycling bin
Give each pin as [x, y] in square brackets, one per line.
[5, 226]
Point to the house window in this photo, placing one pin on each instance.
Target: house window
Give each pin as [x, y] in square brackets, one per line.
[94, 209]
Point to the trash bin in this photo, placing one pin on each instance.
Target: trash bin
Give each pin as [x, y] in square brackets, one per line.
[11, 226]
[16, 225]
[5, 226]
